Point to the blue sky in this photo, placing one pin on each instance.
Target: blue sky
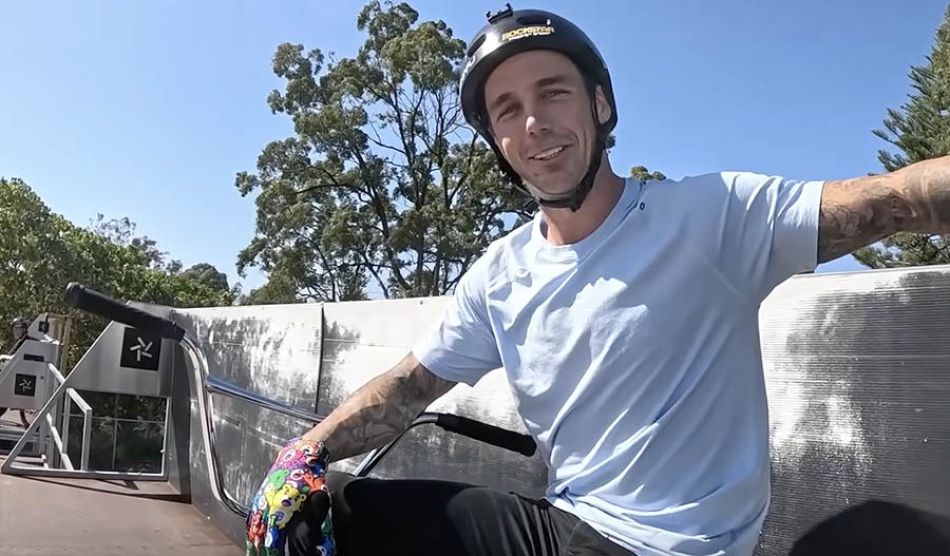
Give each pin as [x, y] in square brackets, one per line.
[149, 109]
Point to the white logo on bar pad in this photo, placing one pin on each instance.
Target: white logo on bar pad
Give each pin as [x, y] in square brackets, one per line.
[141, 350]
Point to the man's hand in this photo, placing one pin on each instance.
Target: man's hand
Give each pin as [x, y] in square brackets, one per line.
[297, 475]
[372, 416]
[858, 212]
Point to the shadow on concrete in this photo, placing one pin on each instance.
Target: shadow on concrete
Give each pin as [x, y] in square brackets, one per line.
[877, 528]
[117, 488]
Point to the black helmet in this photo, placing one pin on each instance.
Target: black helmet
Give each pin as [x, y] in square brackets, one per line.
[510, 32]
[21, 322]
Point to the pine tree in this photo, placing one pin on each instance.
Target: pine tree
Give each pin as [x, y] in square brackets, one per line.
[921, 131]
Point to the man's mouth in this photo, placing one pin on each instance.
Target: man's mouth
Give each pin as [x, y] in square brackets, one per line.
[548, 154]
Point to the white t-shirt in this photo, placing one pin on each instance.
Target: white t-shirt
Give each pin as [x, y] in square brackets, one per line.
[634, 354]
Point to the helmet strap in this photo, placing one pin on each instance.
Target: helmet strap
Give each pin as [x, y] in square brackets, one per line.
[583, 188]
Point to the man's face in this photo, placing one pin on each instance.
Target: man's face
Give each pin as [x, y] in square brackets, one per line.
[19, 331]
[540, 116]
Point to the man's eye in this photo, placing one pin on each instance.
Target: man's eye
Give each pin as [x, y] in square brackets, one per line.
[555, 93]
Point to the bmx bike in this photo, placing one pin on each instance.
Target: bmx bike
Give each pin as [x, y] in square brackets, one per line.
[204, 385]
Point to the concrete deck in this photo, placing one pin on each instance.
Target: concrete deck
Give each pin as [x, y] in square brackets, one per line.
[48, 516]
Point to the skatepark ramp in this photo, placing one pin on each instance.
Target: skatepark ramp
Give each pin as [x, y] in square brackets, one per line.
[857, 368]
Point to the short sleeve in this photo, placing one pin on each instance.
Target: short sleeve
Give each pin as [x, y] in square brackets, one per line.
[461, 347]
[768, 229]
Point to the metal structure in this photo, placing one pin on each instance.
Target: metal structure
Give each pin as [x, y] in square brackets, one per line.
[28, 378]
[122, 360]
[24, 383]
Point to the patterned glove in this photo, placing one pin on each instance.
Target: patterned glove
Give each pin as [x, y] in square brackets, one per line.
[296, 475]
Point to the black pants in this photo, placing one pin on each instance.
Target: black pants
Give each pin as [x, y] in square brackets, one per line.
[375, 517]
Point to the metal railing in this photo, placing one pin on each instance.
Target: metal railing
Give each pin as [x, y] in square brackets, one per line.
[62, 443]
[60, 440]
[215, 385]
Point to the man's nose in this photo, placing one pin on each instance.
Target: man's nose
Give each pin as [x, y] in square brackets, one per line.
[534, 125]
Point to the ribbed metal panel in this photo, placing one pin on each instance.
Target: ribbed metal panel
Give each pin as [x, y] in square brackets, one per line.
[858, 373]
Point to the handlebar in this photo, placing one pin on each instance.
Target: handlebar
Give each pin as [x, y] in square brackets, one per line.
[490, 434]
[90, 300]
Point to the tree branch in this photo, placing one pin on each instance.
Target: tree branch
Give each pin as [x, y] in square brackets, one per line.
[421, 186]
[331, 177]
[409, 153]
[372, 269]
[383, 219]
[378, 141]
[463, 176]
[492, 212]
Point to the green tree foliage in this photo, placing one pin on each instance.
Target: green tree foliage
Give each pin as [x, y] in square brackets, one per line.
[642, 173]
[382, 185]
[122, 231]
[41, 252]
[204, 273]
[920, 130]
[279, 288]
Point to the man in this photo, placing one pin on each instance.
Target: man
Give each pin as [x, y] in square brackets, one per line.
[625, 316]
[21, 327]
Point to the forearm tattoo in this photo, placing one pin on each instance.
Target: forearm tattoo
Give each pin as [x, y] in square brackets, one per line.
[858, 212]
[380, 410]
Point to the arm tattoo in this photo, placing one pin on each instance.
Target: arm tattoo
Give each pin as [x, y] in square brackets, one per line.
[858, 212]
[380, 410]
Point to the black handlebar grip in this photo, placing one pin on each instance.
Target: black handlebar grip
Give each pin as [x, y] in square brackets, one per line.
[497, 436]
[90, 300]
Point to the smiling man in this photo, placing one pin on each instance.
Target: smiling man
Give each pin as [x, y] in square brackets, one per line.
[625, 316]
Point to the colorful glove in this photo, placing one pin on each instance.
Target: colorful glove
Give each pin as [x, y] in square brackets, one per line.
[296, 475]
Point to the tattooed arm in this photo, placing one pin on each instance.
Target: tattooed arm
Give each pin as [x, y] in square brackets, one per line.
[380, 410]
[860, 211]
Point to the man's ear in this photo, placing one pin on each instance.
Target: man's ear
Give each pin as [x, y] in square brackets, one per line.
[603, 107]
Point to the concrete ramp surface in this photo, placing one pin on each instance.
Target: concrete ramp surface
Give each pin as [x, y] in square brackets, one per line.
[53, 516]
